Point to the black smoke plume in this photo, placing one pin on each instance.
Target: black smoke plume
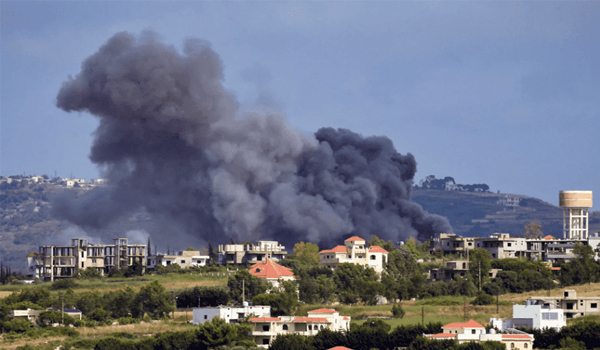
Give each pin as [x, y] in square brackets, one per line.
[172, 142]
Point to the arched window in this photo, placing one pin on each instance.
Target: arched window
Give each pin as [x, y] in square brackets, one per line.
[285, 327]
[525, 346]
[512, 345]
[373, 257]
[310, 327]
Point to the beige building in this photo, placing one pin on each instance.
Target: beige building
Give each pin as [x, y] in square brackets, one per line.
[451, 270]
[250, 253]
[54, 262]
[265, 329]
[503, 246]
[354, 251]
[185, 259]
[450, 243]
[572, 305]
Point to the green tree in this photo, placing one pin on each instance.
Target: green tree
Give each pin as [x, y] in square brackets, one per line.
[376, 241]
[155, 301]
[305, 252]
[356, 283]
[218, 333]
[480, 264]
[283, 303]
[533, 230]
[244, 282]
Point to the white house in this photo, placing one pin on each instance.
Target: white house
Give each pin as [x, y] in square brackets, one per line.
[265, 329]
[472, 331]
[532, 315]
[185, 259]
[231, 314]
[354, 251]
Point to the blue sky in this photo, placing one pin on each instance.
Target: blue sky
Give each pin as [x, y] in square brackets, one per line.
[505, 93]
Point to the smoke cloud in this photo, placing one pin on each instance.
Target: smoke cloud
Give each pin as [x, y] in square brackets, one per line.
[172, 142]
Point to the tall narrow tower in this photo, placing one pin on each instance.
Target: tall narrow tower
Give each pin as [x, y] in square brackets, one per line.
[575, 206]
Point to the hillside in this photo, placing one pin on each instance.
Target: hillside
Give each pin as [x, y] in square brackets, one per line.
[26, 220]
[481, 213]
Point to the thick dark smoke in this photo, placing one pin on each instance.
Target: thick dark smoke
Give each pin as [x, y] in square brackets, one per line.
[172, 142]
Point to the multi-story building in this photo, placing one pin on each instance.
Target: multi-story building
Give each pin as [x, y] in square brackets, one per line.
[534, 314]
[265, 329]
[450, 243]
[451, 270]
[354, 251]
[472, 331]
[231, 314]
[502, 245]
[250, 253]
[185, 259]
[571, 305]
[54, 262]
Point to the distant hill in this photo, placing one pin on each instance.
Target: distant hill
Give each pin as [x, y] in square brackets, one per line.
[481, 213]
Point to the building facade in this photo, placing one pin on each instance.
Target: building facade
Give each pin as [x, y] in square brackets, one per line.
[572, 305]
[354, 251]
[185, 259]
[472, 331]
[231, 314]
[54, 262]
[265, 329]
[532, 315]
[250, 253]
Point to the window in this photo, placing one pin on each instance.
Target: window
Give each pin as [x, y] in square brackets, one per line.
[472, 331]
[183, 261]
[493, 255]
[508, 244]
[373, 257]
[349, 256]
[512, 345]
[266, 328]
[205, 317]
[265, 341]
[285, 327]
[310, 327]
[525, 346]
[594, 305]
[470, 244]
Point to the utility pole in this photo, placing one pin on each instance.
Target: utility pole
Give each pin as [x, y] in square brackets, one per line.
[465, 308]
[423, 316]
[480, 276]
[63, 310]
[243, 292]
[497, 301]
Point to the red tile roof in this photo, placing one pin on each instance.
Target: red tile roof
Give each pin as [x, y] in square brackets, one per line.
[346, 318]
[338, 249]
[354, 239]
[339, 348]
[269, 269]
[310, 319]
[516, 336]
[264, 319]
[470, 324]
[441, 335]
[555, 268]
[549, 238]
[377, 249]
[323, 311]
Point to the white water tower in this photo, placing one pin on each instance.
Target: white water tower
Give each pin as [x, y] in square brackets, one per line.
[576, 205]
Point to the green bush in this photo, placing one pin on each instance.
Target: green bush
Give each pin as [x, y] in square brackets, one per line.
[398, 311]
[65, 283]
[483, 299]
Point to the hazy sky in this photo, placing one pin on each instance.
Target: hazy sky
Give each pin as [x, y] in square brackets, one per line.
[503, 93]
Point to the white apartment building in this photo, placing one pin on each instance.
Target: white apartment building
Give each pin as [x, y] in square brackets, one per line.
[250, 253]
[231, 314]
[185, 259]
[354, 251]
[533, 314]
[265, 329]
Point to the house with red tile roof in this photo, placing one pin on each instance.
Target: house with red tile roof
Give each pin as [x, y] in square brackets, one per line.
[265, 329]
[272, 272]
[354, 251]
[472, 331]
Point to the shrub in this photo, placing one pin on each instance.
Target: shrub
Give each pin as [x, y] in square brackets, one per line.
[483, 299]
[398, 311]
[65, 283]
